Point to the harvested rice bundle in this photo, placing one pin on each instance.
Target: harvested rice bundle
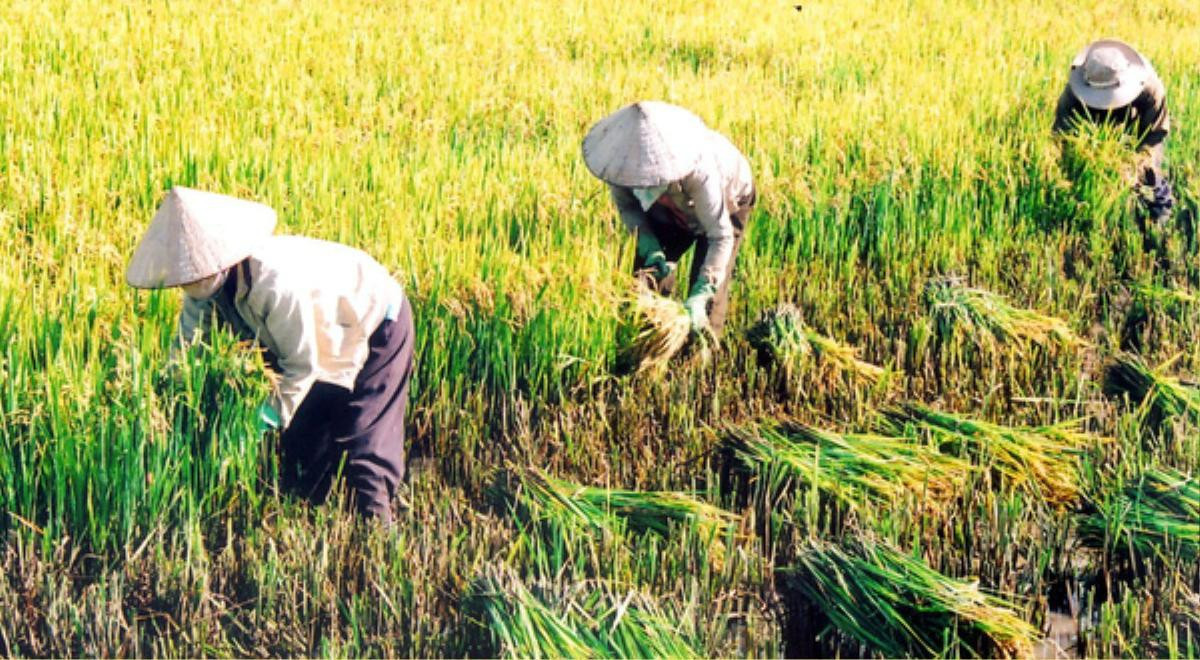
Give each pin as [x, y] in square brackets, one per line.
[781, 336]
[897, 606]
[987, 319]
[662, 326]
[1041, 460]
[1161, 511]
[583, 621]
[1162, 397]
[640, 511]
[853, 468]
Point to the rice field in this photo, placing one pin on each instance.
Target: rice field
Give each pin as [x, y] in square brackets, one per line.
[956, 383]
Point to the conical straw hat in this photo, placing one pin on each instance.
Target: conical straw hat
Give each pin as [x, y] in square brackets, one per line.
[195, 234]
[644, 144]
[1108, 74]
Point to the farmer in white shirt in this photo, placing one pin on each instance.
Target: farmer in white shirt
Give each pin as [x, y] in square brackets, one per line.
[334, 323]
[676, 183]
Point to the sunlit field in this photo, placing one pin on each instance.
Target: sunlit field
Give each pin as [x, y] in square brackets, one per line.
[978, 415]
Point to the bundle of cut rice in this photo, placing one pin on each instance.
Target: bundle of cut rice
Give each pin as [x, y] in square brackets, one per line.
[988, 320]
[1162, 397]
[1150, 518]
[1041, 460]
[781, 336]
[896, 605]
[662, 328]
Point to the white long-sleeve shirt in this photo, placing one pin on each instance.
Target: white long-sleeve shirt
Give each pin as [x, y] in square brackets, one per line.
[707, 197]
[313, 304]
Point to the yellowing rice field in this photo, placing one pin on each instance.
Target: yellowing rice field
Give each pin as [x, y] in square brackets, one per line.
[975, 413]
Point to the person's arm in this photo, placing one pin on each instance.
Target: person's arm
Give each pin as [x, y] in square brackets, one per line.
[649, 249]
[705, 188]
[630, 210]
[195, 319]
[1154, 122]
[288, 321]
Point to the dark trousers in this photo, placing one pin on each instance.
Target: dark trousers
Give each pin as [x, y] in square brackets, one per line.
[358, 434]
[676, 239]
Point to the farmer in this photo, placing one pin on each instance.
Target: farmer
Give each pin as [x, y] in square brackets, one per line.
[1111, 82]
[334, 324]
[676, 183]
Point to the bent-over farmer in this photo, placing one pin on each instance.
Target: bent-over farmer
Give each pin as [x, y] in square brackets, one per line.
[335, 325]
[676, 183]
[1111, 82]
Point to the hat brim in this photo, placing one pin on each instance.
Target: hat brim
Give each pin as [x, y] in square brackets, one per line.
[644, 144]
[1130, 82]
[1129, 86]
[195, 235]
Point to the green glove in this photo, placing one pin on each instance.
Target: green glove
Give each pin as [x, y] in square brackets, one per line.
[697, 303]
[650, 251]
[268, 419]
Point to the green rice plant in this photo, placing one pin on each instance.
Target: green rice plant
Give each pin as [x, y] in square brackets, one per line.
[895, 605]
[1149, 297]
[1042, 460]
[1156, 315]
[585, 621]
[853, 468]
[1160, 397]
[781, 336]
[988, 321]
[1156, 516]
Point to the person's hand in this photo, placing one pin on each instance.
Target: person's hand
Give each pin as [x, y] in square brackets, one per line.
[268, 418]
[697, 304]
[657, 264]
[650, 253]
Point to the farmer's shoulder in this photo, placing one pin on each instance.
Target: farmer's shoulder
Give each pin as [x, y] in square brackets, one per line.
[301, 256]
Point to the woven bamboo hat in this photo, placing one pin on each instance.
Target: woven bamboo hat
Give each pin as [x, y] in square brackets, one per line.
[1108, 74]
[196, 234]
[644, 144]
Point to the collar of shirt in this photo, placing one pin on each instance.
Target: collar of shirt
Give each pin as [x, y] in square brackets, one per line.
[647, 196]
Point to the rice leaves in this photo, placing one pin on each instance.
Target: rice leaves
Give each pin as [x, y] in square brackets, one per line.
[853, 468]
[1158, 513]
[989, 321]
[781, 336]
[583, 621]
[895, 605]
[1041, 460]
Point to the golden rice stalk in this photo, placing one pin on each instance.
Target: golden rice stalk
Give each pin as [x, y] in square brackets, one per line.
[663, 330]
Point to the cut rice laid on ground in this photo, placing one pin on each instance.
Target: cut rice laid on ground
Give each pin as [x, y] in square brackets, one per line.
[988, 320]
[581, 621]
[895, 605]
[1158, 513]
[1041, 460]
[854, 468]
[781, 336]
